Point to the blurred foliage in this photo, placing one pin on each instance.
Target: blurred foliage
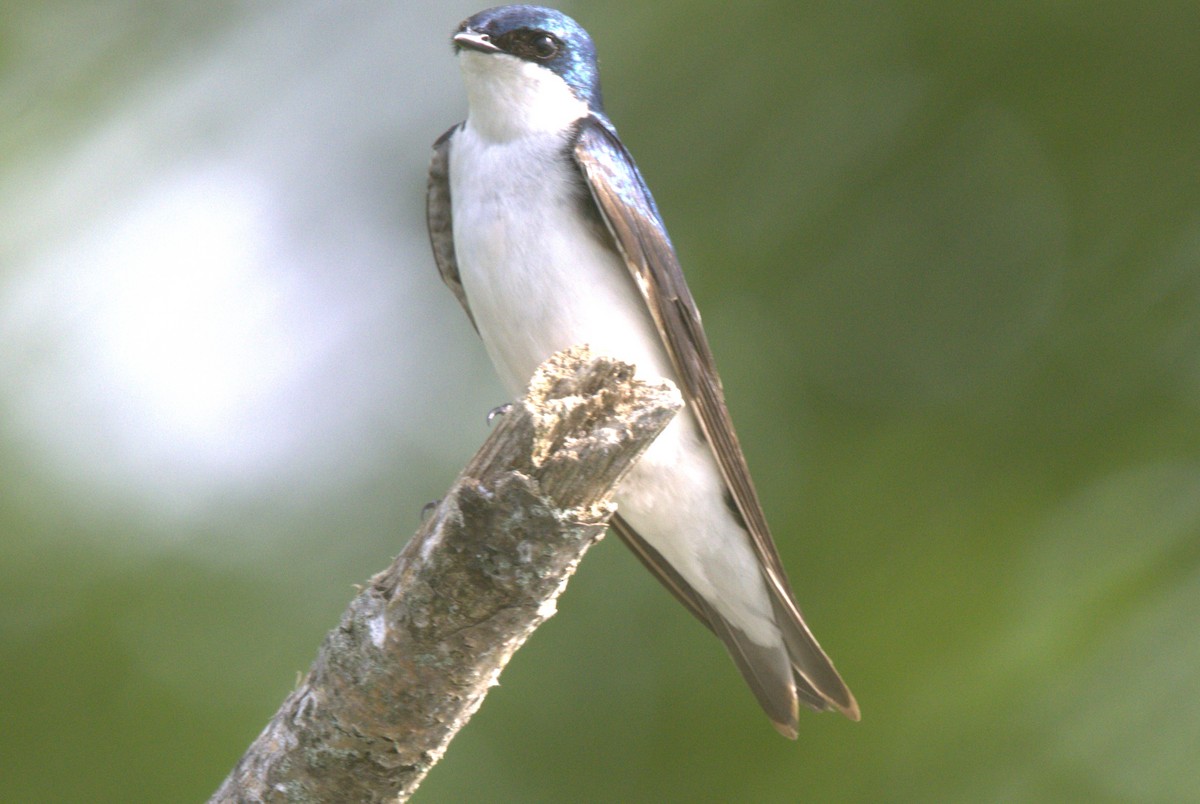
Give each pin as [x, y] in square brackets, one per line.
[949, 260]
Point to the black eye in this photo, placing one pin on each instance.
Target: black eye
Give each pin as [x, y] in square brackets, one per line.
[544, 46]
[531, 44]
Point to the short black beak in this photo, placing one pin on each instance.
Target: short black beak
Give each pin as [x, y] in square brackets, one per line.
[474, 41]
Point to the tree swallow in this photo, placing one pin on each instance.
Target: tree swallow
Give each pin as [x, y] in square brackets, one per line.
[543, 228]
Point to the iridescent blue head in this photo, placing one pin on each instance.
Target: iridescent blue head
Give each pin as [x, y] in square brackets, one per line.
[540, 36]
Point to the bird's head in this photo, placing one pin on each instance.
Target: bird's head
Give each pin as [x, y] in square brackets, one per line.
[527, 68]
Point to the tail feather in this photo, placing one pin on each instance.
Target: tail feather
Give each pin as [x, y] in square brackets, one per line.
[781, 676]
[767, 670]
[817, 679]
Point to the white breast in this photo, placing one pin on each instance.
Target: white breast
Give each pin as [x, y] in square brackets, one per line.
[536, 276]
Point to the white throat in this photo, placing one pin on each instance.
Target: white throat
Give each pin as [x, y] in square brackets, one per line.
[510, 98]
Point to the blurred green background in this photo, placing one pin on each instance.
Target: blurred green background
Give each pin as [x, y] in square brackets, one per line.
[949, 261]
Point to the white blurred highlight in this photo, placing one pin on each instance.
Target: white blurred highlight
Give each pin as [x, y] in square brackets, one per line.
[216, 285]
[156, 346]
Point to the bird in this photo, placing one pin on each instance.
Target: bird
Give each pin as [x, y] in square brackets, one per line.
[546, 233]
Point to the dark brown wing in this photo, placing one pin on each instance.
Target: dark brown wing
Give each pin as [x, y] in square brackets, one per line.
[439, 219]
[623, 202]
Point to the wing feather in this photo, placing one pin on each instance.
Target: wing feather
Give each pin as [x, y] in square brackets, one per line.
[439, 218]
[622, 199]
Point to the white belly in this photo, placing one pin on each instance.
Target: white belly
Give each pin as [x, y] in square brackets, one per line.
[537, 278]
[538, 281]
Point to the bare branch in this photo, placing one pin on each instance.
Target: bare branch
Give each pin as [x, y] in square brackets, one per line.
[418, 648]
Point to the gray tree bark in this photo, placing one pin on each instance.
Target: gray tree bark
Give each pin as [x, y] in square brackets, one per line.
[417, 650]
